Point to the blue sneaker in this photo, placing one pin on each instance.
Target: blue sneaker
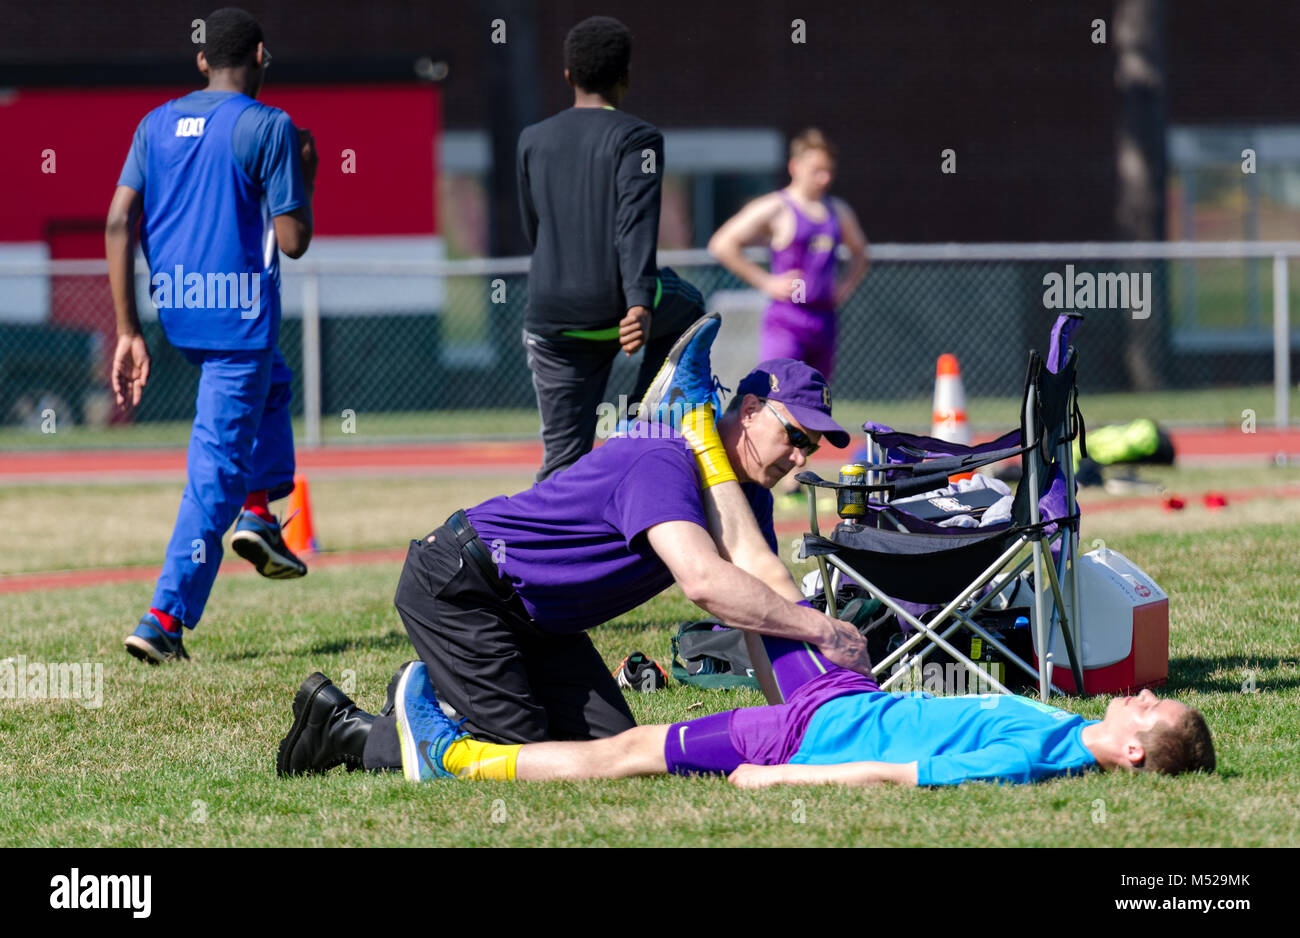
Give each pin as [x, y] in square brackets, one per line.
[153, 644]
[390, 699]
[685, 379]
[423, 730]
[261, 544]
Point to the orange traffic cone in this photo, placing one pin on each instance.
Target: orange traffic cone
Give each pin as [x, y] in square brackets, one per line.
[949, 420]
[299, 536]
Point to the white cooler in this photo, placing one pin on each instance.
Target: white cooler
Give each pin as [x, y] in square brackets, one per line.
[1124, 624]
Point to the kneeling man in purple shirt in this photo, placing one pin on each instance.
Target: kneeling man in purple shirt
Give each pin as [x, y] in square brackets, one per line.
[498, 599]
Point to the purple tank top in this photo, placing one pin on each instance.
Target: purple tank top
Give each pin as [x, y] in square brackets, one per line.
[811, 250]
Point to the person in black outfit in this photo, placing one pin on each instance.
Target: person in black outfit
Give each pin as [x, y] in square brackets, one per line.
[589, 188]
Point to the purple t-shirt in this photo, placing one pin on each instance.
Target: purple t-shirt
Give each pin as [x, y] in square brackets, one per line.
[574, 546]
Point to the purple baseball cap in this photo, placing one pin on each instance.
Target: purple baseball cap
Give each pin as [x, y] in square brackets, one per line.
[803, 391]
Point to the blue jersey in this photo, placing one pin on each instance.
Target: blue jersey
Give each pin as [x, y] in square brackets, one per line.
[992, 737]
[213, 168]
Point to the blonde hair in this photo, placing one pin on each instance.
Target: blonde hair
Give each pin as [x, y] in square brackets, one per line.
[812, 139]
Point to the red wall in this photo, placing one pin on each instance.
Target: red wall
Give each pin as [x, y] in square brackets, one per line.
[392, 128]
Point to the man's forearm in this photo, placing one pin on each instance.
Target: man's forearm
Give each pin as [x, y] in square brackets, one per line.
[308, 215]
[745, 602]
[637, 272]
[769, 569]
[120, 251]
[636, 264]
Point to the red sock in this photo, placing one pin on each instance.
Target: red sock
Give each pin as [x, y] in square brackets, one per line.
[169, 622]
[256, 503]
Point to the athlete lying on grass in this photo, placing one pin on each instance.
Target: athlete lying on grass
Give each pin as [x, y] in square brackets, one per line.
[833, 726]
[825, 724]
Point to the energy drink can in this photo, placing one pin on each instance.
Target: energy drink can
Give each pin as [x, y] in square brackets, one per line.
[851, 504]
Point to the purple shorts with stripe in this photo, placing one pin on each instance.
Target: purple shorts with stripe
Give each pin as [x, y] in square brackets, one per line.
[764, 735]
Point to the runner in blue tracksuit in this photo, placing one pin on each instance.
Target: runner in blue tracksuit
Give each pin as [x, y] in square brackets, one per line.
[219, 184]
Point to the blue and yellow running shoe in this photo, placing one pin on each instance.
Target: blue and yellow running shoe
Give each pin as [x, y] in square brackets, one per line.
[423, 730]
[685, 380]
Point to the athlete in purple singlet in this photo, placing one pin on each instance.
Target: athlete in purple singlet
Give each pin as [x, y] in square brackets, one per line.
[804, 226]
[804, 329]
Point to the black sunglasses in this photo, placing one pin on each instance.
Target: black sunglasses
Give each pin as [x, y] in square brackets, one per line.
[798, 439]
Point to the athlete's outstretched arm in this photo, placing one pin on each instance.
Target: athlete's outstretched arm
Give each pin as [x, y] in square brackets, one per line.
[848, 773]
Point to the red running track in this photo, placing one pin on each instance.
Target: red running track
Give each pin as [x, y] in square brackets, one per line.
[137, 465]
[71, 579]
[433, 459]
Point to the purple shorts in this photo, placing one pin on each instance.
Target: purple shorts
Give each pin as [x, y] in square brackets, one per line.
[764, 735]
[806, 335]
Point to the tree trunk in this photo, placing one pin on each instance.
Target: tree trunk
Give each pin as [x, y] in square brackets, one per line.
[514, 76]
[1138, 33]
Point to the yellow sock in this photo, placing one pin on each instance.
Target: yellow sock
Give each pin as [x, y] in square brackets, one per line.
[470, 758]
[701, 431]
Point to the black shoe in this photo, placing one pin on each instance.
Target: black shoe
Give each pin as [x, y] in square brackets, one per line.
[638, 672]
[390, 700]
[328, 730]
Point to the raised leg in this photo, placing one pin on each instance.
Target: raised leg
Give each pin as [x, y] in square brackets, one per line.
[683, 394]
[736, 534]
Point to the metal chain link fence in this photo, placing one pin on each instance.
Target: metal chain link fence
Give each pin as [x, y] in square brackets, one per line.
[435, 351]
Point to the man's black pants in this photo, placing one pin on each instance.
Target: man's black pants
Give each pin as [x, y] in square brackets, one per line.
[511, 681]
[570, 375]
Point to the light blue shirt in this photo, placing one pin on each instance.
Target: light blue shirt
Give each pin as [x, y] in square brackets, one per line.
[991, 737]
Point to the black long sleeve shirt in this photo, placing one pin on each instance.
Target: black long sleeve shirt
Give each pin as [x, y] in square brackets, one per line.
[589, 191]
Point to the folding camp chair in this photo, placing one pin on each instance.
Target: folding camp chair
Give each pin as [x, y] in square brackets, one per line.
[905, 559]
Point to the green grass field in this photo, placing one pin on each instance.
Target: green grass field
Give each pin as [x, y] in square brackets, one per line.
[184, 755]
